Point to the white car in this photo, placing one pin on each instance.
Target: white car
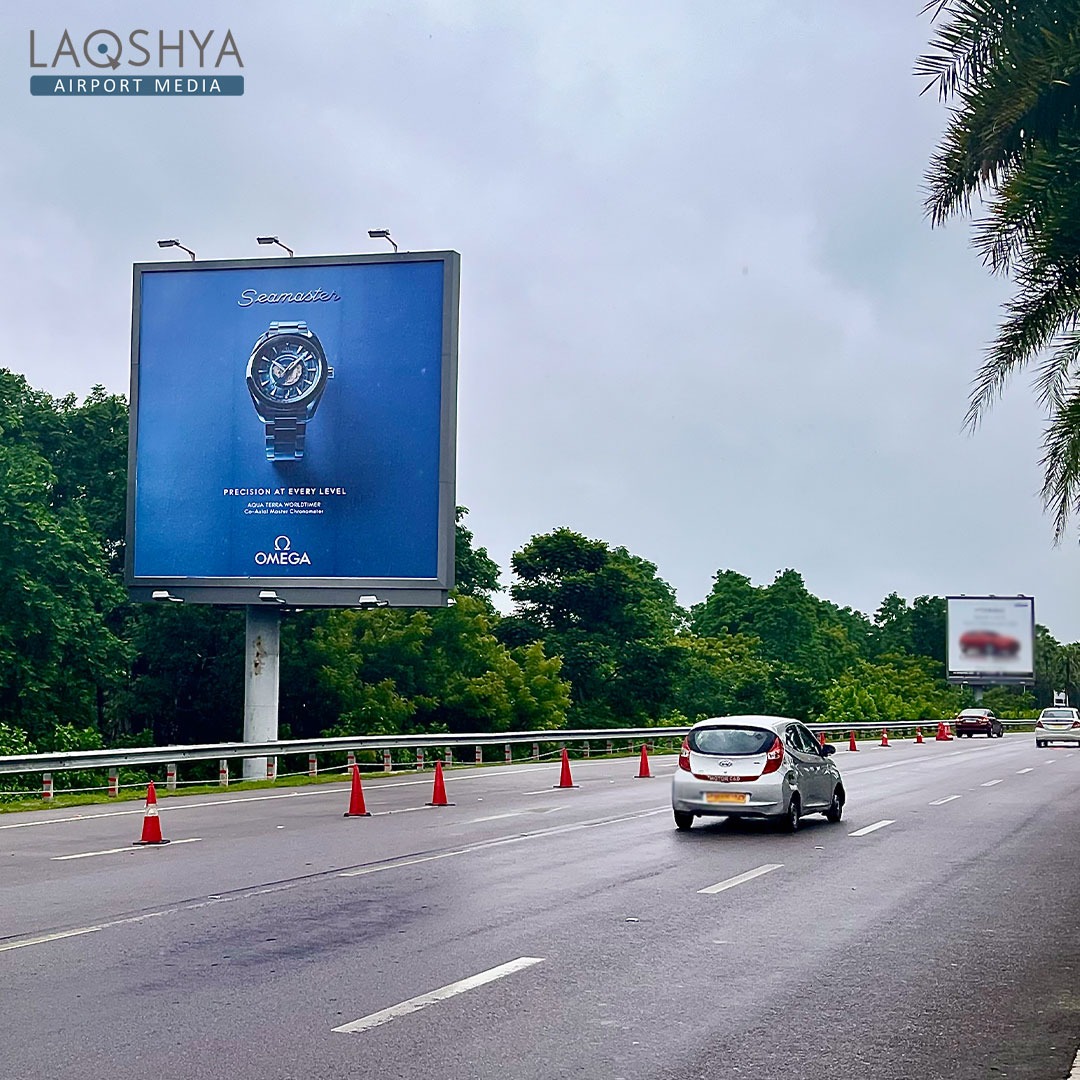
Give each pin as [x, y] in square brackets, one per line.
[1057, 725]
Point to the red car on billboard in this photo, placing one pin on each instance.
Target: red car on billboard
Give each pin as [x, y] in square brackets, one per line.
[988, 643]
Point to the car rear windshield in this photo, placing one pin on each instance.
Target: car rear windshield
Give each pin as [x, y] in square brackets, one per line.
[1057, 714]
[731, 740]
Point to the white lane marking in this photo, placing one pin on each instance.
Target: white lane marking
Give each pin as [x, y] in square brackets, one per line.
[873, 828]
[1074, 1072]
[730, 883]
[991, 783]
[194, 905]
[494, 817]
[481, 845]
[1050, 761]
[47, 937]
[942, 802]
[1020, 772]
[116, 850]
[417, 1003]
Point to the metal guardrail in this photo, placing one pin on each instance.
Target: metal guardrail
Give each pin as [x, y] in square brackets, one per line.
[133, 757]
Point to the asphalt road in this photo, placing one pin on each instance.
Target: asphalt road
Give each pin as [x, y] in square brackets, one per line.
[533, 932]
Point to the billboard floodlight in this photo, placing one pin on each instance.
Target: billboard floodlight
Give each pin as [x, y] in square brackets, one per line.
[164, 594]
[270, 597]
[176, 243]
[382, 234]
[273, 240]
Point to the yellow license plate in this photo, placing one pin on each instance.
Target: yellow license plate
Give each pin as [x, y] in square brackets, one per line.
[726, 797]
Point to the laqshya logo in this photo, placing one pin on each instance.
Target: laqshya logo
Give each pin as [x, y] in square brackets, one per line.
[118, 64]
[282, 555]
[107, 49]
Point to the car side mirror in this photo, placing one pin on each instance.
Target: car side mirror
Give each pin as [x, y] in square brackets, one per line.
[827, 750]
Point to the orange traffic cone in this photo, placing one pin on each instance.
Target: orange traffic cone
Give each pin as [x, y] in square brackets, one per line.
[438, 797]
[564, 776]
[643, 769]
[884, 737]
[918, 735]
[851, 742]
[151, 825]
[940, 736]
[356, 797]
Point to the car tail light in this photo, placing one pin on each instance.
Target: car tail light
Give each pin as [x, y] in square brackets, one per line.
[1076, 723]
[684, 754]
[1039, 723]
[774, 757]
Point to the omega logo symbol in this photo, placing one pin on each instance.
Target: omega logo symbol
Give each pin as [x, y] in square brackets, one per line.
[282, 555]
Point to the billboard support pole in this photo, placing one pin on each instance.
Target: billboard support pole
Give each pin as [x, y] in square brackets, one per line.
[262, 655]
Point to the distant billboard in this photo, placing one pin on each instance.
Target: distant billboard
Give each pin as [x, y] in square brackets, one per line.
[293, 430]
[991, 639]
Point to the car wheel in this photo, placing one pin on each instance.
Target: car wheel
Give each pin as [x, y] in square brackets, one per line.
[793, 815]
[683, 820]
[836, 807]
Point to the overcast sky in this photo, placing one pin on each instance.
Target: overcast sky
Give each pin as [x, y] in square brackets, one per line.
[702, 315]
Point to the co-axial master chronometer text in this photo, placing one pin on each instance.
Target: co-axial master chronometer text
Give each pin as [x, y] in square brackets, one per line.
[286, 376]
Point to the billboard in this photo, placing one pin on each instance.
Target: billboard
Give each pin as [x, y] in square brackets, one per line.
[293, 430]
[991, 639]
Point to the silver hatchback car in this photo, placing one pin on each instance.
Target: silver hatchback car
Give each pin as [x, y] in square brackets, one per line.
[755, 766]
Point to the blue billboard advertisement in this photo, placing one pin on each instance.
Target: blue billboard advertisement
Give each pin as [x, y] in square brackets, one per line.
[293, 430]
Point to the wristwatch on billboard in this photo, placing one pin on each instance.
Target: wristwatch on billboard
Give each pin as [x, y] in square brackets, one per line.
[286, 376]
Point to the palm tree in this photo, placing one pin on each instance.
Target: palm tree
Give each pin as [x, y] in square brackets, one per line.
[1010, 69]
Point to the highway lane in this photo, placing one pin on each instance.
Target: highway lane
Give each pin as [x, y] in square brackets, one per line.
[910, 950]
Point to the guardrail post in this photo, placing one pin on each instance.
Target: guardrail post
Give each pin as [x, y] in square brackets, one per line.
[387, 762]
[586, 753]
[479, 755]
[313, 764]
[419, 757]
[223, 772]
[449, 757]
[271, 768]
[536, 751]
[509, 755]
[46, 786]
[114, 782]
[350, 759]
[170, 776]
[610, 748]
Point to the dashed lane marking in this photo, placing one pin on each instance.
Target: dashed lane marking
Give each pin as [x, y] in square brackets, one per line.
[991, 783]
[872, 828]
[415, 1004]
[116, 850]
[730, 883]
[942, 802]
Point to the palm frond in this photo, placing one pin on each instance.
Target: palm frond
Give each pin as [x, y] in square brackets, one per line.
[1061, 463]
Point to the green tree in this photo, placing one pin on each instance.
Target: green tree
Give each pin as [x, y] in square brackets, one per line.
[433, 671]
[58, 655]
[610, 618]
[476, 573]
[1011, 70]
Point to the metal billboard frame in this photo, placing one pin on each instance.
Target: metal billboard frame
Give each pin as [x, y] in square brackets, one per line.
[283, 592]
[989, 678]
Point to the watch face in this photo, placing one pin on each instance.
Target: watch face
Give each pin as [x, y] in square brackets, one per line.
[287, 369]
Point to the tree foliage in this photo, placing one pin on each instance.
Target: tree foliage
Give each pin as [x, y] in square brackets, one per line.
[1011, 71]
